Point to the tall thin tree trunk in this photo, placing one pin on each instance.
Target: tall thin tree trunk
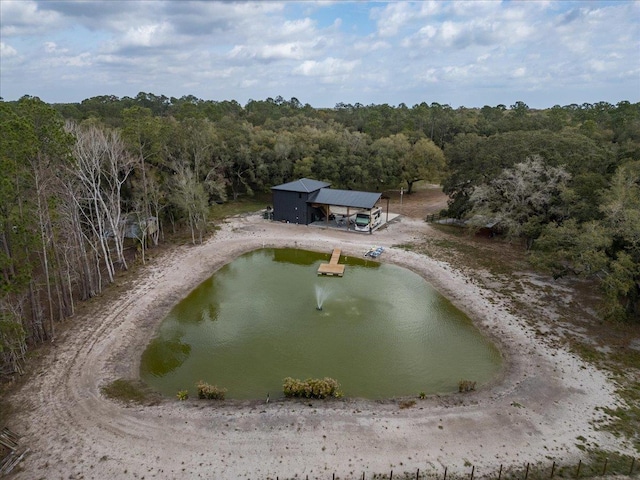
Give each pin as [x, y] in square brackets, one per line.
[96, 267]
[69, 284]
[192, 226]
[37, 328]
[63, 293]
[45, 255]
[8, 272]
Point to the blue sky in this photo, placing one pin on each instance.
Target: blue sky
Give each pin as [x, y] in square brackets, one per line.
[461, 53]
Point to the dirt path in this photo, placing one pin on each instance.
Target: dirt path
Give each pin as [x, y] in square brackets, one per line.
[535, 412]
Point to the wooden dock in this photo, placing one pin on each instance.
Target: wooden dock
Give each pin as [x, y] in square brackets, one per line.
[333, 267]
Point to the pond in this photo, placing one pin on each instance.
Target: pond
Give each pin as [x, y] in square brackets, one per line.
[382, 332]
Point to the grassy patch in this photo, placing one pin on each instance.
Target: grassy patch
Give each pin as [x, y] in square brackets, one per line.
[625, 420]
[612, 463]
[566, 310]
[126, 391]
[409, 247]
[587, 352]
[239, 207]
[626, 357]
[599, 463]
[458, 247]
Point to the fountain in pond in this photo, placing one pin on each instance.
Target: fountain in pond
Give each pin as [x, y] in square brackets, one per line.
[321, 295]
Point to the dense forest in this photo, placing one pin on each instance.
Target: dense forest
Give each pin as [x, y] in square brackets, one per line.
[82, 182]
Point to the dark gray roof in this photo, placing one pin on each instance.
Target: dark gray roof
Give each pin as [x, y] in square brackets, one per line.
[303, 185]
[345, 198]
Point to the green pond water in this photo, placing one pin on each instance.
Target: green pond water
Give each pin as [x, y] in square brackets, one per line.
[383, 331]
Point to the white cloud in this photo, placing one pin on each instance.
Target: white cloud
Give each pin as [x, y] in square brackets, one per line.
[449, 32]
[460, 33]
[328, 67]
[281, 51]
[430, 7]
[429, 76]
[222, 73]
[81, 60]
[24, 17]
[297, 26]
[57, 57]
[7, 50]
[519, 72]
[457, 72]
[376, 52]
[598, 66]
[51, 47]
[150, 35]
[393, 18]
[370, 45]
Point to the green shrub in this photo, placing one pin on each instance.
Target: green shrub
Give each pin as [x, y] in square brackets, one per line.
[183, 395]
[466, 386]
[311, 388]
[210, 392]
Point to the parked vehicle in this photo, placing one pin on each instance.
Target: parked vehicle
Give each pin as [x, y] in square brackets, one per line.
[367, 221]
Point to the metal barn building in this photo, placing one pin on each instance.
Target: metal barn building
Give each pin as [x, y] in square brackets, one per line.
[306, 201]
[290, 201]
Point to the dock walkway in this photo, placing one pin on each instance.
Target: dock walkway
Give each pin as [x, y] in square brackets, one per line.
[333, 267]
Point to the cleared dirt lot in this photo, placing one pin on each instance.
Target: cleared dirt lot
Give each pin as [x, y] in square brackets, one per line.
[546, 399]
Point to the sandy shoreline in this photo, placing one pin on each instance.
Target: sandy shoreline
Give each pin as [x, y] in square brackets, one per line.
[546, 398]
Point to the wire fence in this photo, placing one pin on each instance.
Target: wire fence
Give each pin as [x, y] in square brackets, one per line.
[617, 465]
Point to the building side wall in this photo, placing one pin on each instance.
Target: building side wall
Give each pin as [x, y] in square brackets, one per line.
[290, 207]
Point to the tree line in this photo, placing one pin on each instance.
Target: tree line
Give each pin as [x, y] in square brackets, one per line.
[84, 185]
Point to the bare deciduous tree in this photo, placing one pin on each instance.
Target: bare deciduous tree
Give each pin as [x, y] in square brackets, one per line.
[189, 196]
[101, 167]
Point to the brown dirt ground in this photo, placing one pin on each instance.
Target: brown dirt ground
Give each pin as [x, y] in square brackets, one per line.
[544, 407]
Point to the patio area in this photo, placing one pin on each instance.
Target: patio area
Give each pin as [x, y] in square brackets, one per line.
[342, 222]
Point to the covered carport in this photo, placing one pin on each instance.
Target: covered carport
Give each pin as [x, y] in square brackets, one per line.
[345, 203]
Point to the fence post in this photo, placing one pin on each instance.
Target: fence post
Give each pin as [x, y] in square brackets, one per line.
[445, 472]
[500, 472]
[633, 461]
[578, 471]
[391, 475]
[553, 469]
[418, 475]
[473, 469]
[362, 475]
[604, 469]
[526, 473]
